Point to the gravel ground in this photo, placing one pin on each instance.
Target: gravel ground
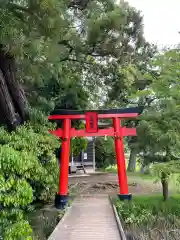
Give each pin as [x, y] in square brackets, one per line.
[106, 183]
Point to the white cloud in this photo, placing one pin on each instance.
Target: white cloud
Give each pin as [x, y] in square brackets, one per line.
[161, 20]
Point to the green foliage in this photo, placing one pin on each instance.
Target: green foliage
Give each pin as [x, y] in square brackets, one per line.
[78, 144]
[43, 221]
[28, 172]
[171, 167]
[57, 46]
[33, 157]
[105, 154]
[149, 217]
[64, 59]
[111, 168]
[74, 97]
[158, 130]
[18, 230]
[144, 210]
[15, 192]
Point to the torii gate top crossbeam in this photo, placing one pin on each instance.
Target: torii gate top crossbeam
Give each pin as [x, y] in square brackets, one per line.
[91, 118]
[58, 114]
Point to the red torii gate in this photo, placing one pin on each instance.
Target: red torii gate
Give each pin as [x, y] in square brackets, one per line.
[91, 118]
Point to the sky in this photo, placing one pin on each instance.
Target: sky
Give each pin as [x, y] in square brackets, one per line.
[161, 20]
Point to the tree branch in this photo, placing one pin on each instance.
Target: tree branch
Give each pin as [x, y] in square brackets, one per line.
[66, 44]
[68, 59]
[79, 4]
[14, 6]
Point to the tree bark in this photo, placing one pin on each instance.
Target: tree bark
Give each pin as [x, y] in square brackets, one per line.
[132, 160]
[142, 169]
[8, 115]
[164, 182]
[12, 98]
[145, 167]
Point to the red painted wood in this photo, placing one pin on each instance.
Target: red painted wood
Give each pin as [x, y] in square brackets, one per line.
[100, 132]
[91, 122]
[121, 165]
[58, 132]
[128, 131]
[65, 150]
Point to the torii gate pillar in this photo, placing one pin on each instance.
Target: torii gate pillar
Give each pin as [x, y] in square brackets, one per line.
[62, 195]
[120, 158]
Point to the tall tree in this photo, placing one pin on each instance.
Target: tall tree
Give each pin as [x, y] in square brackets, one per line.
[129, 85]
[47, 37]
[158, 130]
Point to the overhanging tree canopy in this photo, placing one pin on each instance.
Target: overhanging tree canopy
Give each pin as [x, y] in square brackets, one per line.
[91, 39]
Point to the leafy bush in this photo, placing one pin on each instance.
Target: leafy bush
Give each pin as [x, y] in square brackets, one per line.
[78, 144]
[105, 153]
[35, 149]
[28, 172]
[15, 193]
[146, 216]
[133, 213]
[154, 204]
[111, 168]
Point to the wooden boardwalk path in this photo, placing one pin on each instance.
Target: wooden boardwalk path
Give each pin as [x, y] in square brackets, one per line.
[89, 218]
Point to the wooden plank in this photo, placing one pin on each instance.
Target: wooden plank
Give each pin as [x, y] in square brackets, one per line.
[89, 218]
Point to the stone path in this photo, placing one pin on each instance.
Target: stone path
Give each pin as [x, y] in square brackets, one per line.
[89, 218]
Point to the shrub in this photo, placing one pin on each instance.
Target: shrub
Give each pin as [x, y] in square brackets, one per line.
[145, 209]
[15, 193]
[133, 213]
[38, 150]
[111, 168]
[28, 172]
[78, 144]
[149, 217]
[105, 153]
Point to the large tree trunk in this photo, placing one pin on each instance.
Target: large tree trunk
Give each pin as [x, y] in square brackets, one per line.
[164, 182]
[8, 115]
[132, 160]
[13, 103]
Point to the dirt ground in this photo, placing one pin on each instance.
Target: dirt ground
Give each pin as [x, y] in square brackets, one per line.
[107, 183]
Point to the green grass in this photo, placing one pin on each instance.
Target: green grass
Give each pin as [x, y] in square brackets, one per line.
[148, 178]
[146, 215]
[113, 168]
[154, 204]
[133, 176]
[43, 220]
